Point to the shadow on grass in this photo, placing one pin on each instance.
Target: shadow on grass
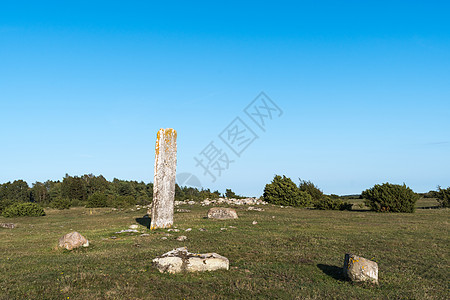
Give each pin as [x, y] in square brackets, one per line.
[144, 221]
[332, 271]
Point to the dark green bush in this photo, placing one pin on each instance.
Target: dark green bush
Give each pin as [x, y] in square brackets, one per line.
[122, 202]
[61, 203]
[390, 198]
[283, 191]
[97, 199]
[310, 188]
[23, 209]
[332, 202]
[77, 203]
[443, 197]
[4, 203]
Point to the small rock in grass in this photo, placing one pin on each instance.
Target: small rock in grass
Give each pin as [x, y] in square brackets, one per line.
[134, 226]
[164, 238]
[254, 222]
[8, 225]
[127, 230]
[181, 238]
[145, 234]
[189, 229]
[72, 240]
[202, 229]
[223, 229]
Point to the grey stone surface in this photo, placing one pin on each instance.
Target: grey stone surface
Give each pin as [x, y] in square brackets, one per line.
[181, 260]
[164, 179]
[358, 269]
[72, 240]
[222, 213]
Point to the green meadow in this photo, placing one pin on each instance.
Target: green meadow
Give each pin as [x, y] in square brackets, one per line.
[291, 253]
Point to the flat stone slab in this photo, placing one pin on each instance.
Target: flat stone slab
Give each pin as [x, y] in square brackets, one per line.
[358, 269]
[181, 260]
[222, 213]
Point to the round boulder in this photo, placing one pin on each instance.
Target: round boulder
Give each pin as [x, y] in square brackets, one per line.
[72, 240]
[358, 269]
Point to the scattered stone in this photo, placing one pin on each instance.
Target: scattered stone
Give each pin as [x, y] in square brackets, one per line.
[255, 208]
[219, 201]
[8, 225]
[223, 229]
[232, 226]
[189, 229]
[181, 210]
[164, 179]
[202, 229]
[145, 234]
[180, 260]
[254, 222]
[222, 213]
[357, 268]
[72, 240]
[127, 230]
[113, 237]
[164, 238]
[168, 234]
[174, 230]
[181, 238]
[134, 226]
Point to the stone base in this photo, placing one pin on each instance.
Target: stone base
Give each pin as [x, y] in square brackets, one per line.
[180, 260]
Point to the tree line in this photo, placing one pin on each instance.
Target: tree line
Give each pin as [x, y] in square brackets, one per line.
[89, 190]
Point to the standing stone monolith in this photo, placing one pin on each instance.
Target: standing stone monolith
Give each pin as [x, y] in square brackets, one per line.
[164, 180]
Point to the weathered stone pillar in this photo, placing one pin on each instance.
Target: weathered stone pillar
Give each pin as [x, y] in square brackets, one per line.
[164, 180]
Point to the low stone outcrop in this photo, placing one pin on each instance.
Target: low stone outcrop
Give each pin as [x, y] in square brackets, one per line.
[181, 260]
[222, 213]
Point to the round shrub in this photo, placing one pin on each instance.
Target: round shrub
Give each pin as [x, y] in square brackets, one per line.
[23, 209]
[61, 203]
[283, 191]
[390, 198]
[97, 199]
[443, 197]
[332, 203]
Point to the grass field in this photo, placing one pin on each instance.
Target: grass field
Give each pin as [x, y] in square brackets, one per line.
[290, 254]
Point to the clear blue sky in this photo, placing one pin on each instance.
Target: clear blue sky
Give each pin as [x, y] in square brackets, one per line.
[364, 87]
